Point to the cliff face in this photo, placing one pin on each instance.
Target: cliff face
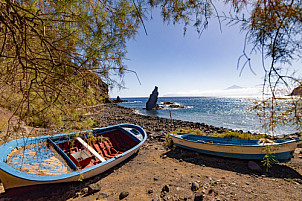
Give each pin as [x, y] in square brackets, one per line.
[99, 88]
[297, 91]
[102, 90]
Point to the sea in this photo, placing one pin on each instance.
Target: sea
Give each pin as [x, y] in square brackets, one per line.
[231, 113]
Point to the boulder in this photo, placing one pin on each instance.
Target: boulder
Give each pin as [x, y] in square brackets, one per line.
[123, 195]
[195, 186]
[165, 189]
[93, 188]
[151, 103]
[254, 166]
[198, 197]
[102, 196]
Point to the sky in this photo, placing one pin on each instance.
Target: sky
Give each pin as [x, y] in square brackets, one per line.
[188, 65]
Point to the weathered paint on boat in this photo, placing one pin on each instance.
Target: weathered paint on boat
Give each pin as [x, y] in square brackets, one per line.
[283, 150]
[11, 175]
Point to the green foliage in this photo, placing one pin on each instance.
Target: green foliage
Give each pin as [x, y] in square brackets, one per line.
[102, 139]
[269, 159]
[238, 135]
[81, 177]
[168, 141]
[187, 130]
[3, 123]
[276, 27]
[275, 112]
[91, 139]
[227, 134]
[54, 54]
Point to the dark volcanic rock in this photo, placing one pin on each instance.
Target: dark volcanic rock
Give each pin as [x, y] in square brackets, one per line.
[198, 197]
[195, 186]
[118, 99]
[151, 103]
[123, 195]
[254, 166]
[93, 188]
[165, 189]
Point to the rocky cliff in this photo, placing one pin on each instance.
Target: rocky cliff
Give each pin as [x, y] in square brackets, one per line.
[98, 87]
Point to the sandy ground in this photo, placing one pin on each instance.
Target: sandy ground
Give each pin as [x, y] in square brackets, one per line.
[158, 173]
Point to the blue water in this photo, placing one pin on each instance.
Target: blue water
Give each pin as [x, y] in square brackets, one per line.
[231, 113]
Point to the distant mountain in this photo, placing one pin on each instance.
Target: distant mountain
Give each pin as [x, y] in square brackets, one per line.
[297, 91]
[234, 87]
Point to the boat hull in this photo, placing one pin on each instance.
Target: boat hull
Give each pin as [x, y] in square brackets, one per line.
[282, 152]
[13, 178]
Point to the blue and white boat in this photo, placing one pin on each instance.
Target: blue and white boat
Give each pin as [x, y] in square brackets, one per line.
[282, 150]
[67, 157]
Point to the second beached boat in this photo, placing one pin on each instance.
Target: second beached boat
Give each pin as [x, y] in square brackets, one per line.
[67, 157]
[282, 150]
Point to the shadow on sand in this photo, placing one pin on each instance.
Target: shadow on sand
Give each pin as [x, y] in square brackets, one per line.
[240, 166]
[57, 192]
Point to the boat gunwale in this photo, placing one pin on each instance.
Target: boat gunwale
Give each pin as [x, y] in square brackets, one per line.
[180, 137]
[6, 149]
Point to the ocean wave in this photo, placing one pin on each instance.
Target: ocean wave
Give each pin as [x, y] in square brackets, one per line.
[132, 102]
[140, 113]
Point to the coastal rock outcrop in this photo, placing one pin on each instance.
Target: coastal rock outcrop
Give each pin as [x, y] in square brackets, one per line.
[169, 105]
[173, 105]
[151, 103]
[119, 100]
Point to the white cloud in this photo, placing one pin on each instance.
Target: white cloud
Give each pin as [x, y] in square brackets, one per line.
[242, 92]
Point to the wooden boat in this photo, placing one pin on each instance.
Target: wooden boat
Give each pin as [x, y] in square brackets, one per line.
[67, 157]
[283, 150]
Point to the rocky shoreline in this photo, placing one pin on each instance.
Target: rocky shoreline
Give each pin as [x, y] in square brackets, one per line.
[156, 127]
[158, 173]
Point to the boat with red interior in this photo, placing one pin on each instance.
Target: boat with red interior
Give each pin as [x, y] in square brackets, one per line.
[67, 157]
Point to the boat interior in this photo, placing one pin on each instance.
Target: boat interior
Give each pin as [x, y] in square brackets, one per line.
[67, 153]
[91, 150]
